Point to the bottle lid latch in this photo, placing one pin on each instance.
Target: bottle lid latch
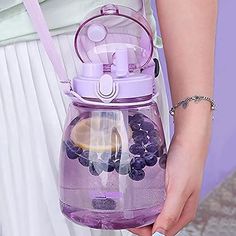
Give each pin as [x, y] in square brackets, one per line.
[107, 89]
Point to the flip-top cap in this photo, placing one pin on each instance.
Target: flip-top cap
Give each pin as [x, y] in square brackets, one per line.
[110, 28]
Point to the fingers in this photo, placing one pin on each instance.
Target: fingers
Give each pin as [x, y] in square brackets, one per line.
[187, 215]
[171, 212]
[143, 231]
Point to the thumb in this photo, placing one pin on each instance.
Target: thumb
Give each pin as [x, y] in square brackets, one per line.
[170, 213]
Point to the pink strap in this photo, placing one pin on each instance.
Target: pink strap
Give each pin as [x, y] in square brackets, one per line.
[41, 27]
[144, 9]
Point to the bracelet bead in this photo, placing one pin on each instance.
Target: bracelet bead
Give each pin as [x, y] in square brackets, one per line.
[195, 98]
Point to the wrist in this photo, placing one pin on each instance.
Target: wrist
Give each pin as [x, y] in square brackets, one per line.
[195, 116]
[193, 123]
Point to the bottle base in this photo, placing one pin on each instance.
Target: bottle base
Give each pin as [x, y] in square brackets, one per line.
[110, 220]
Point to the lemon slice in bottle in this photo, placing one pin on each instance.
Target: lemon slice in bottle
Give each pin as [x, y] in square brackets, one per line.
[98, 134]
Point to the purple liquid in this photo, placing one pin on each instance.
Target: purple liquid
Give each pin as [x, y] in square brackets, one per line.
[114, 221]
[111, 200]
[138, 205]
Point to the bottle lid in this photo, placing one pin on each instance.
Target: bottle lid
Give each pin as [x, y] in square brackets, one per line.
[112, 28]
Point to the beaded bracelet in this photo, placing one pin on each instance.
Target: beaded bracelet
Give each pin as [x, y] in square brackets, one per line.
[196, 98]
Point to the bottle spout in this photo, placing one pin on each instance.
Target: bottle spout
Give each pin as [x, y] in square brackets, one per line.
[121, 62]
[92, 70]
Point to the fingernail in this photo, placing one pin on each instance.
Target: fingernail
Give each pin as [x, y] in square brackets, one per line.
[158, 234]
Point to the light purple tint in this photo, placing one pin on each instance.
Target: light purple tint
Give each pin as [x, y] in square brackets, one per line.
[124, 28]
[101, 184]
[106, 85]
[96, 32]
[92, 70]
[40, 25]
[121, 62]
[141, 84]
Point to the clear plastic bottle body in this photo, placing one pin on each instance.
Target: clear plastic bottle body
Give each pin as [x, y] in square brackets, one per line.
[112, 168]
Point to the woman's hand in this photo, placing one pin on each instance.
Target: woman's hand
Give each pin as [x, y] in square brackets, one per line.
[188, 31]
[185, 167]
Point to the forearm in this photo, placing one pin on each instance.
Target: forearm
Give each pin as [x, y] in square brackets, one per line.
[188, 31]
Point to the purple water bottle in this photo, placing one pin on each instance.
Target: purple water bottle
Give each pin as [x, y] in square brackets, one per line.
[113, 154]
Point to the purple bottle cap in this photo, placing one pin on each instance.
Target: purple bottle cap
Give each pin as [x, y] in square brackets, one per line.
[112, 27]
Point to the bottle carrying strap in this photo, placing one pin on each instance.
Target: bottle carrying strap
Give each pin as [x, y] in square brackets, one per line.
[40, 25]
[34, 10]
